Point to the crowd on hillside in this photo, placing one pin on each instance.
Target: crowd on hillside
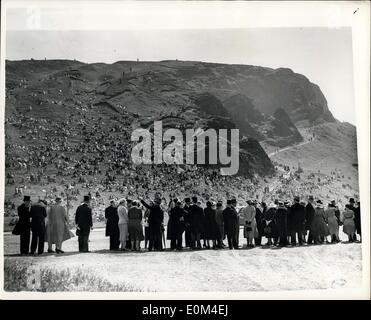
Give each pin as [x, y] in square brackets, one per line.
[129, 222]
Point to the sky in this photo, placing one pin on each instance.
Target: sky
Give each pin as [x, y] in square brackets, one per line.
[322, 54]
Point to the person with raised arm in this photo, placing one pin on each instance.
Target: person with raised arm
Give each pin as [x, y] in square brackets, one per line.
[155, 223]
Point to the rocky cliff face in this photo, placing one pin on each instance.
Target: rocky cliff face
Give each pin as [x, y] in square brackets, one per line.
[266, 105]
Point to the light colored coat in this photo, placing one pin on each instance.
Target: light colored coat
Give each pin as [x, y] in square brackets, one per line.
[247, 214]
[123, 223]
[349, 226]
[57, 229]
[332, 221]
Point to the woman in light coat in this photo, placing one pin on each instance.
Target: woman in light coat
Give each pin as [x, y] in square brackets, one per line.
[332, 223]
[349, 226]
[123, 223]
[250, 228]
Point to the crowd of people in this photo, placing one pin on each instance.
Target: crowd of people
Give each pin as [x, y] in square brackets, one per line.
[129, 222]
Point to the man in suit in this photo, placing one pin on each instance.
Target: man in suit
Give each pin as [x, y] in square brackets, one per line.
[38, 215]
[112, 227]
[24, 224]
[309, 214]
[297, 218]
[188, 234]
[84, 223]
[155, 223]
[196, 223]
[357, 217]
[231, 224]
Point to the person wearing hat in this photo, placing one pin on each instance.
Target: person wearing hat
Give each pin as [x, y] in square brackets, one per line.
[234, 206]
[155, 223]
[356, 218]
[24, 224]
[84, 222]
[175, 225]
[128, 206]
[349, 226]
[220, 224]
[281, 222]
[112, 225]
[297, 221]
[309, 214]
[57, 229]
[332, 222]
[38, 215]
[247, 215]
[187, 223]
[135, 228]
[210, 225]
[269, 225]
[231, 223]
[122, 213]
[319, 227]
[196, 215]
[259, 223]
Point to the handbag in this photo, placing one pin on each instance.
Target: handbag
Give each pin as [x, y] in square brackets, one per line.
[248, 227]
[17, 229]
[267, 230]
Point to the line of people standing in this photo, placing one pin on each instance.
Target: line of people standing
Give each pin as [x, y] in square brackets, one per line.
[280, 223]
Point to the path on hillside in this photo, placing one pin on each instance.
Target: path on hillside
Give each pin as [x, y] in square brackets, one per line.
[288, 148]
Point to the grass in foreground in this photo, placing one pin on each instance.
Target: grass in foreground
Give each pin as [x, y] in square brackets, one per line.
[23, 276]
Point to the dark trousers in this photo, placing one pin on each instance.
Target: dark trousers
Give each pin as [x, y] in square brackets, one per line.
[84, 239]
[114, 241]
[25, 241]
[188, 237]
[176, 243]
[128, 243]
[232, 241]
[258, 241]
[37, 241]
[310, 237]
[196, 240]
[282, 241]
[155, 238]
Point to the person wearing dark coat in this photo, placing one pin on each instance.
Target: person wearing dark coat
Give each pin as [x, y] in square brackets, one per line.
[281, 222]
[128, 241]
[187, 223]
[135, 228]
[297, 218]
[231, 223]
[220, 224]
[38, 215]
[176, 226]
[269, 224]
[309, 215]
[24, 224]
[196, 223]
[112, 227]
[84, 222]
[155, 224]
[357, 219]
[259, 224]
[210, 226]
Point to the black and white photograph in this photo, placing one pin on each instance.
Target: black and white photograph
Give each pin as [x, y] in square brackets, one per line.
[185, 149]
